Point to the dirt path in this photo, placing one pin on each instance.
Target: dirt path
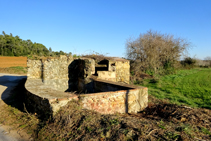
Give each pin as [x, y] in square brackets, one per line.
[7, 133]
[7, 83]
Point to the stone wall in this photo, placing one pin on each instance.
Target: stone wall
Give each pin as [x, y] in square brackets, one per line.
[123, 71]
[107, 75]
[118, 70]
[55, 72]
[132, 100]
[52, 83]
[43, 99]
[86, 70]
[52, 71]
[35, 68]
[68, 74]
[38, 105]
[43, 106]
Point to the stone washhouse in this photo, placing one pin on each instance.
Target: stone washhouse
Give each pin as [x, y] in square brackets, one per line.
[100, 85]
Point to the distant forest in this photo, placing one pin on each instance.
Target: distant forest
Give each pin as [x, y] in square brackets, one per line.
[15, 46]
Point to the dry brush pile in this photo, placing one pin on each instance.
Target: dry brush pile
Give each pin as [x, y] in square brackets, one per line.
[160, 121]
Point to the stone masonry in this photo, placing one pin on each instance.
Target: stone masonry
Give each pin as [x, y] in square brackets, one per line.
[53, 82]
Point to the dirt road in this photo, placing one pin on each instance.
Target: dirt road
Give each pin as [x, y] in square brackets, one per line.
[4, 137]
[9, 135]
[7, 83]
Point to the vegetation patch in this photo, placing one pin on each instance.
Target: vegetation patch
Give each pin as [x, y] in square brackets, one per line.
[14, 70]
[156, 53]
[189, 87]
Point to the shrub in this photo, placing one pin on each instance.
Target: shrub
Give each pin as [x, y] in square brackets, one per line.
[188, 62]
[152, 52]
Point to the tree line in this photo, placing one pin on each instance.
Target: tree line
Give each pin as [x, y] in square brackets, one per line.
[14, 46]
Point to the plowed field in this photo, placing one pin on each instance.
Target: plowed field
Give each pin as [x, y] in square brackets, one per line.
[6, 61]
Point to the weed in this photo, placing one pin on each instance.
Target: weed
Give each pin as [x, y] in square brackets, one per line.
[22, 126]
[187, 129]
[108, 128]
[132, 73]
[160, 124]
[179, 129]
[171, 135]
[205, 131]
[114, 121]
[79, 128]
[125, 131]
[89, 129]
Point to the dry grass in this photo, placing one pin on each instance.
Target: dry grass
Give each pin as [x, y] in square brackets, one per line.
[160, 121]
[6, 61]
[14, 70]
[18, 121]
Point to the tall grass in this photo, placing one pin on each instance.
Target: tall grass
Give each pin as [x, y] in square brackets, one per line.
[190, 87]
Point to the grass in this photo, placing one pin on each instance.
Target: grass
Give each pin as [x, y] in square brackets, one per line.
[19, 69]
[14, 70]
[189, 87]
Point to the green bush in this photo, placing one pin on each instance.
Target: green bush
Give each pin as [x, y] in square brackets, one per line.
[188, 62]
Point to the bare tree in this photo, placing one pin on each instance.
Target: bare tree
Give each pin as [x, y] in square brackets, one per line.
[154, 51]
[208, 60]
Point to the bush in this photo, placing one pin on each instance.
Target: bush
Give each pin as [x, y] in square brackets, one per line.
[188, 62]
[155, 53]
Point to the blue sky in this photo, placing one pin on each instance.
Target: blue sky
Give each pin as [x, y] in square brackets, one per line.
[103, 26]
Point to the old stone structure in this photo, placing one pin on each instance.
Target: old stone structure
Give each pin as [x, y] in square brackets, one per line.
[102, 85]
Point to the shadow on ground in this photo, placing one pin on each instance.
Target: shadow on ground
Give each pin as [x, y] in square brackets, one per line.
[14, 94]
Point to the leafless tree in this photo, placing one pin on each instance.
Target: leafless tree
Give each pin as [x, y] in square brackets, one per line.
[208, 60]
[155, 51]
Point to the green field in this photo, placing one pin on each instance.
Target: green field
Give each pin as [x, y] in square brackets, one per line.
[189, 87]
